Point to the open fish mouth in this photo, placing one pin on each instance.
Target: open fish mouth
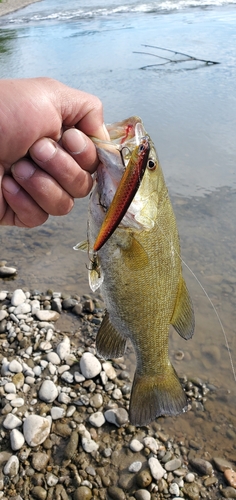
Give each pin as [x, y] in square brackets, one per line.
[131, 138]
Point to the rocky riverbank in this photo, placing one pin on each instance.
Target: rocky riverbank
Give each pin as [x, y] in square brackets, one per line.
[7, 6]
[64, 429]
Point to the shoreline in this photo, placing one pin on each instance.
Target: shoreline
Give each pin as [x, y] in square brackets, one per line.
[8, 6]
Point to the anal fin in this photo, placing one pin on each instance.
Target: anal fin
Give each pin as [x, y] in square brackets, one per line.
[109, 342]
[183, 317]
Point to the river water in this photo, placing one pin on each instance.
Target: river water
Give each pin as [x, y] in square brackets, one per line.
[189, 109]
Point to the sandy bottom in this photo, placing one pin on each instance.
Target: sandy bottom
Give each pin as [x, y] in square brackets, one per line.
[8, 6]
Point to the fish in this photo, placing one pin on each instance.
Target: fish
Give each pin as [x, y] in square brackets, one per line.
[138, 271]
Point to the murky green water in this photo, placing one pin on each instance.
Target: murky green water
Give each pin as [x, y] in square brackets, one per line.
[190, 112]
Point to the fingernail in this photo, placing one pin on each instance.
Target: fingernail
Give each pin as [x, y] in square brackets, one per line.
[23, 170]
[74, 141]
[43, 150]
[10, 185]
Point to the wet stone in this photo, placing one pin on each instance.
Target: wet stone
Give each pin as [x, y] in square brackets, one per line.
[142, 495]
[117, 416]
[230, 476]
[72, 445]
[173, 464]
[191, 490]
[82, 493]
[116, 493]
[221, 464]
[143, 478]
[201, 466]
[136, 445]
[156, 468]
[229, 492]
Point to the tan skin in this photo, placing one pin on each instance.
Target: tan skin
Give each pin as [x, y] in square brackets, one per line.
[46, 156]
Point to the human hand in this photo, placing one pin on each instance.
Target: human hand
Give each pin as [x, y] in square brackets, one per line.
[44, 162]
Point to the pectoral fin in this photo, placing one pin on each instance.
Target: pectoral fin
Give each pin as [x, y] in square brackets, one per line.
[134, 255]
[109, 342]
[183, 317]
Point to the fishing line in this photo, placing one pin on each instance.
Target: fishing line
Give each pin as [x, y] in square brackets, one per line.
[212, 305]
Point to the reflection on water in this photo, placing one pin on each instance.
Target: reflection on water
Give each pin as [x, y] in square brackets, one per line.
[191, 116]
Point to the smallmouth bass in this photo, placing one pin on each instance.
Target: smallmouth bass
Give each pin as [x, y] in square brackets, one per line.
[139, 273]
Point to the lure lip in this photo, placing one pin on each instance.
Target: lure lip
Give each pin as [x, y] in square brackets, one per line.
[127, 188]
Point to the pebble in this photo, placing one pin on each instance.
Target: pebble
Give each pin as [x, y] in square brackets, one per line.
[230, 476]
[10, 387]
[11, 422]
[72, 445]
[220, 463]
[97, 419]
[39, 493]
[151, 443]
[156, 468]
[18, 297]
[173, 464]
[90, 366]
[63, 348]
[67, 377]
[109, 370]
[202, 466]
[117, 416]
[174, 489]
[142, 495]
[190, 477]
[229, 492]
[116, 493]
[11, 468]
[46, 315]
[135, 467]
[39, 460]
[82, 493]
[57, 412]
[17, 402]
[36, 429]
[16, 439]
[3, 314]
[15, 366]
[7, 271]
[53, 358]
[136, 445]
[48, 392]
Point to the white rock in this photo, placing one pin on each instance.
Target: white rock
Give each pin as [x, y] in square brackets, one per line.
[79, 377]
[190, 477]
[15, 366]
[117, 416]
[11, 468]
[174, 489]
[117, 394]
[45, 345]
[46, 315]
[63, 349]
[17, 439]
[109, 370]
[156, 468]
[52, 480]
[67, 377]
[144, 495]
[17, 402]
[135, 466]
[3, 314]
[70, 411]
[104, 377]
[35, 306]
[18, 297]
[151, 443]
[5, 367]
[57, 412]
[53, 358]
[9, 387]
[90, 366]
[64, 398]
[3, 295]
[24, 308]
[52, 368]
[36, 429]
[48, 392]
[89, 445]
[10, 396]
[37, 370]
[11, 421]
[97, 419]
[136, 445]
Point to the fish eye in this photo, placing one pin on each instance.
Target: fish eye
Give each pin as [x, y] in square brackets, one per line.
[151, 164]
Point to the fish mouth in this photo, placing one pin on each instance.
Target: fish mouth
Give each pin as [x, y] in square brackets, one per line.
[129, 154]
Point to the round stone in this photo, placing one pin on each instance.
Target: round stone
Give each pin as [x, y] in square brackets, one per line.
[15, 366]
[17, 402]
[48, 392]
[57, 412]
[10, 388]
[117, 416]
[18, 297]
[97, 419]
[143, 478]
[90, 366]
[82, 493]
[11, 421]
[136, 445]
[173, 464]
[96, 400]
[16, 439]
[39, 460]
[174, 489]
[67, 377]
[135, 466]
[53, 358]
[151, 443]
[36, 429]
[109, 370]
[142, 495]
[230, 476]
[46, 315]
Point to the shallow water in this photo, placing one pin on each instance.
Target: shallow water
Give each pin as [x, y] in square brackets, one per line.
[189, 109]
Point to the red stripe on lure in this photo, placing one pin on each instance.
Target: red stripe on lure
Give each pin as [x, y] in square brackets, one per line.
[125, 192]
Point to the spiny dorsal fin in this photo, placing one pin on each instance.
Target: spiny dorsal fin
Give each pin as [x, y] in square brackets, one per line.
[154, 396]
[135, 257]
[183, 317]
[109, 342]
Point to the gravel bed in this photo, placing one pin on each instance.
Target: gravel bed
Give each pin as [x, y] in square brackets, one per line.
[64, 428]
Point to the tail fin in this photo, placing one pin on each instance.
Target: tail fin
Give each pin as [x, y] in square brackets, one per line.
[155, 396]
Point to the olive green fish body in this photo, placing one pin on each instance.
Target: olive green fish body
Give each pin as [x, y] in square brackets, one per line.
[141, 281]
